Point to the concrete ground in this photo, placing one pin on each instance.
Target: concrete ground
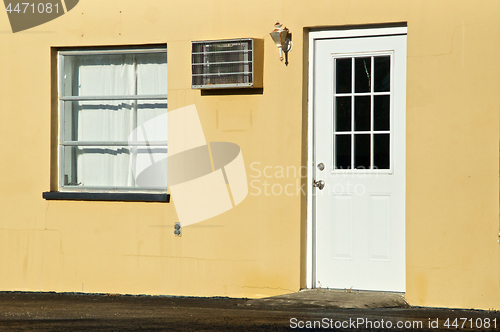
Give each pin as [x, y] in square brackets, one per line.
[311, 310]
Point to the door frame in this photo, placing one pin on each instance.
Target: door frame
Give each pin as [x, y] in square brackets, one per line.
[311, 202]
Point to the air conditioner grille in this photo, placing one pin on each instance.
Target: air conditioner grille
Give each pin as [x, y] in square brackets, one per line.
[223, 68]
[222, 46]
[223, 64]
[229, 79]
[221, 57]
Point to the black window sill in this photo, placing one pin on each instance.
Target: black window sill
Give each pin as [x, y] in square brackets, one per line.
[123, 197]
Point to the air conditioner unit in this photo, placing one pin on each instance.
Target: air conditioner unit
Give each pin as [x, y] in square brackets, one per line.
[222, 64]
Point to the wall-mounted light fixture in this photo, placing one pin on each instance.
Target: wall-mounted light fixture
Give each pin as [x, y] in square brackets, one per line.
[282, 39]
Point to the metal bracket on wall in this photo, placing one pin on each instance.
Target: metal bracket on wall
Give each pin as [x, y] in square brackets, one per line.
[177, 229]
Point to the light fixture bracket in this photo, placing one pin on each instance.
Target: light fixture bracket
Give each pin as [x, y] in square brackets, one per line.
[282, 39]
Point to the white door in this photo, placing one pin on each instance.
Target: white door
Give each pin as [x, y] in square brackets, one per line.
[359, 97]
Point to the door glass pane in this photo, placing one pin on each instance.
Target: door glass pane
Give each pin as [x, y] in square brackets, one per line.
[382, 67]
[343, 114]
[362, 151]
[370, 102]
[381, 106]
[362, 79]
[343, 75]
[381, 151]
[362, 113]
[342, 151]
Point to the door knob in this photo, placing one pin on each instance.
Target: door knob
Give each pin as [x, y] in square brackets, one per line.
[319, 184]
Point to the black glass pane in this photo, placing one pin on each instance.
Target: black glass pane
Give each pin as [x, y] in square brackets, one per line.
[343, 114]
[362, 151]
[381, 107]
[381, 151]
[362, 80]
[382, 67]
[342, 151]
[362, 113]
[344, 74]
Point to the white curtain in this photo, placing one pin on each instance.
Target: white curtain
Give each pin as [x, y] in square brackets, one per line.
[113, 121]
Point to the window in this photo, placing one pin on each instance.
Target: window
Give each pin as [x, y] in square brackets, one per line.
[362, 112]
[113, 120]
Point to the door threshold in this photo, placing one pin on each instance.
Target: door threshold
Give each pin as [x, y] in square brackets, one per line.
[334, 299]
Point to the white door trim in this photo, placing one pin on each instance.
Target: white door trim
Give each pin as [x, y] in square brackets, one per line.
[313, 36]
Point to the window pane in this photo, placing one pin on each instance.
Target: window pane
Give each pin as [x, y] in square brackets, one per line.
[343, 75]
[152, 74]
[381, 151]
[362, 151]
[111, 120]
[98, 166]
[363, 69]
[382, 67]
[362, 113]
[381, 107]
[115, 74]
[152, 119]
[342, 151]
[114, 167]
[100, 75]
[98, 120]
[343, 114]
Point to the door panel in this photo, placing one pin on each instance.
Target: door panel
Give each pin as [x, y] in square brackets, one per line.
[380, 227]
[342, 227]
[359, 135]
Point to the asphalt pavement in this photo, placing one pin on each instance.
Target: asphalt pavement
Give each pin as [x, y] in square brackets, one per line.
[312, 310]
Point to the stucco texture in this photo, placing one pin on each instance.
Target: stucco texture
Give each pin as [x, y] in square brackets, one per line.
[257, 248]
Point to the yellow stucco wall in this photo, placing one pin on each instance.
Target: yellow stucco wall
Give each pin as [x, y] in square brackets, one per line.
[257, 249]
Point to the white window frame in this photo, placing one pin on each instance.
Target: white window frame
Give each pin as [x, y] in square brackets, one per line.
[61, 134]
